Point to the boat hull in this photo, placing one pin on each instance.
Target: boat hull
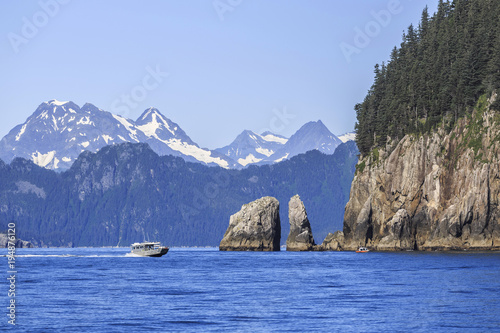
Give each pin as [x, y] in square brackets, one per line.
[151, 253]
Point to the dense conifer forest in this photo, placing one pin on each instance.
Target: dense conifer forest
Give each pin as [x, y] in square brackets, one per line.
[435, 76]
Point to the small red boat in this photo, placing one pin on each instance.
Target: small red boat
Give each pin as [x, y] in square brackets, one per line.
[362, 250]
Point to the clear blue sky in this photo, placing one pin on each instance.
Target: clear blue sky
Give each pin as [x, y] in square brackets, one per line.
[238, 65]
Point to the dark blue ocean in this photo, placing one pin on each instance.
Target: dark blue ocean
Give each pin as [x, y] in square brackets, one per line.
[204, 290]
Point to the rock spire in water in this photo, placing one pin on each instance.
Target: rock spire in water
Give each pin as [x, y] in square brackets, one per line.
[256, 227]
[300, 237]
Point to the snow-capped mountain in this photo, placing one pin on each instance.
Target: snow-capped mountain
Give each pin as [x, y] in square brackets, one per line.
[167, 138]
[313, 135]
[57, 132]
[250, 148]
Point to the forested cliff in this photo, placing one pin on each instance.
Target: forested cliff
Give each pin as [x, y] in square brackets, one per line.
[438, 191]
[428, 131]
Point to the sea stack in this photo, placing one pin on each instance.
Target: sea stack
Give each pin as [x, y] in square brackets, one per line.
[256, 227]
[300, 237]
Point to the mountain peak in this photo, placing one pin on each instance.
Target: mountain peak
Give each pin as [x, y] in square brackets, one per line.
[313, 135]
[56, 102]
[248, 137]
[248, 133]
[315, 128]
[56, 108]
[317, 124]
[152, 120]
[90, 108]
[148, 114]
[155, 125]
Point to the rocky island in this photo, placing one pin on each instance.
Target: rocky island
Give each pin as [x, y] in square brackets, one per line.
[256, 227]
[300, 237]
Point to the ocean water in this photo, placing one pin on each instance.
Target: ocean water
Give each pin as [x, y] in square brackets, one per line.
[204, 290]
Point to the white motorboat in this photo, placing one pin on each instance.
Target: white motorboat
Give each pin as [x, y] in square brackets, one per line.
[362, 250]
[149, 249]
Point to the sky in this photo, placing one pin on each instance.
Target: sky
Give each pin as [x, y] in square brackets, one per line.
[215, 67]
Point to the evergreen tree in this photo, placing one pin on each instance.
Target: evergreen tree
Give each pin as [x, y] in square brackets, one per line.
[439, 71]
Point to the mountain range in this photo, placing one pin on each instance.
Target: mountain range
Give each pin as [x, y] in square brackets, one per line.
[268, 148]
[58, 132]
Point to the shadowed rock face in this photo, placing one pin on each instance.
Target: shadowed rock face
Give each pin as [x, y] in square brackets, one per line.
[435, 192]
[256, 227]
[300, 237]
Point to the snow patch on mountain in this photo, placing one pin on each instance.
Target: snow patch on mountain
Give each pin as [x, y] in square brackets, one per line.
[150, 128]
[107, 138]
[347, 137]
[282, 158]
[21, 132]
[56, 102]
[132, 133]
[249, 159]
[268, 136]
[85, 121]
[264, 151]
[197, 152]
[43, 159]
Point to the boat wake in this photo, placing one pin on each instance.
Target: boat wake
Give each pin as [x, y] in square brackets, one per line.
[63, 256]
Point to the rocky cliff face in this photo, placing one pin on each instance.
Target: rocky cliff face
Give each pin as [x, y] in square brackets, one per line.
[440, 191]
[300, 237]
[256, 227]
